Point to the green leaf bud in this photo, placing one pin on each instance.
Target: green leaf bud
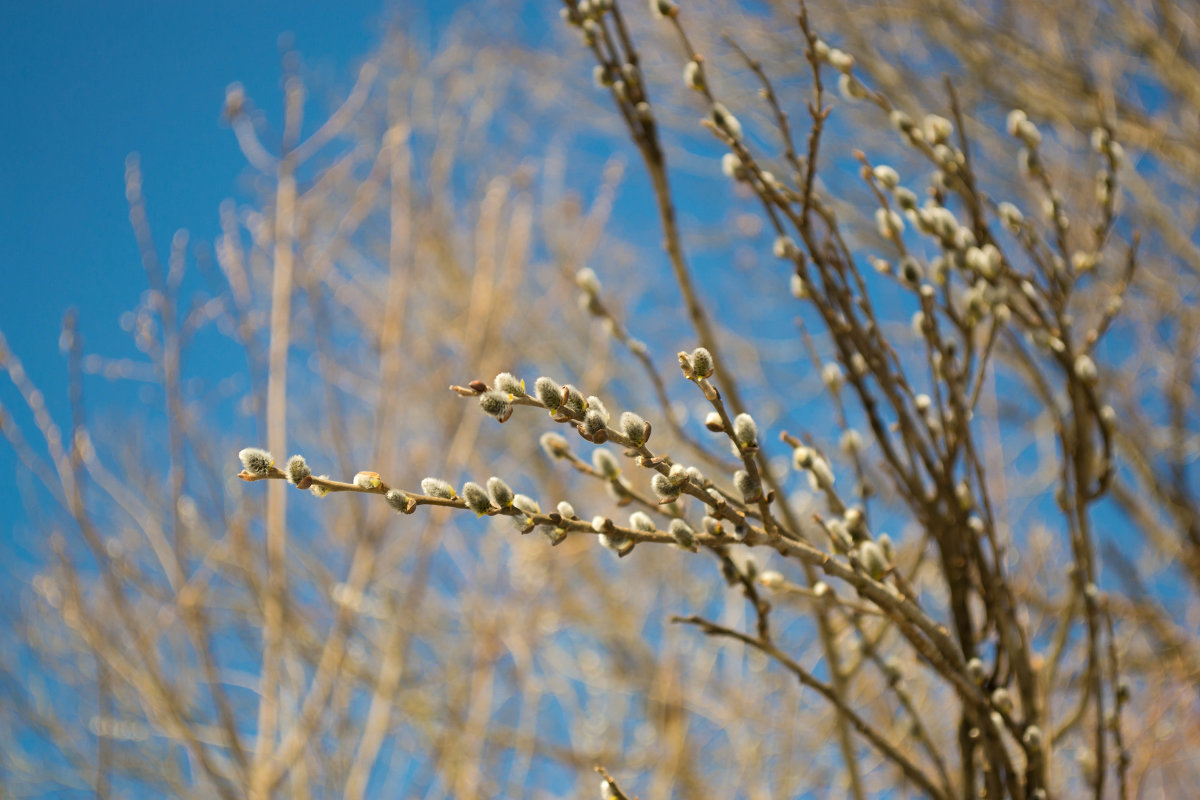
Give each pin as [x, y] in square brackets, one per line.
[476, 498]
[500, 492]
[436, 487]
[548, 393]
[297, 469]
[256, 461]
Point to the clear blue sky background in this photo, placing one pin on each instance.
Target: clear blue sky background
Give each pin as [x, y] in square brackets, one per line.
[84, 85]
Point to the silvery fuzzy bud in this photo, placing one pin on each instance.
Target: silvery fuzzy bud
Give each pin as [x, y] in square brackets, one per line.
[748, 485]
[851, 441]
[554, 445]
[901, 121]
[732, 167]
[1085, 369]
[850, 88]
[841, 539]
[573, 401]
[799, 287]
[889, 549]
[640, 521]
[507, 382]
[566, 510]
[937, 129]
[887, 177]
[663, 8]
[745, 432]
[256, 461]
[693, 76]
[1002, 700]
[803, 457]
[601, 76]
[586, 279]
[635, 429]
[784, 247]
[605, 463]
[726, 121]
[713, 526]
[905, 198]
[500, 492]
[398, 500]
[594, 404]
[1016, 118]
[548, 392]
[1082, 261]
[524, 502]
[297, 469]
[832, 376]
[496, 404]
[317, 489]
[617, 542]
[840, 60]
[872, 559]
[476, 498]
[1011, 216]
[854, 519]
[976, 671]
[702, 362]
[713, 422]
[910, 271]
[367, 480]
[593, 422]
[683, 534]
[663, 487]
[694, 475]
[771, 579]
[888, 223]
[820, 474]
[678, 474]
[882, 266]
[436, 487]
[1032, 738]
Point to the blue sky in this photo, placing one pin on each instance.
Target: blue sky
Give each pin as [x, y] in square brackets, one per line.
[85, 84]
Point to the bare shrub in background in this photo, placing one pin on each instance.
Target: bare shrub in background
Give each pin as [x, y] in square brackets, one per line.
[895, 435]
